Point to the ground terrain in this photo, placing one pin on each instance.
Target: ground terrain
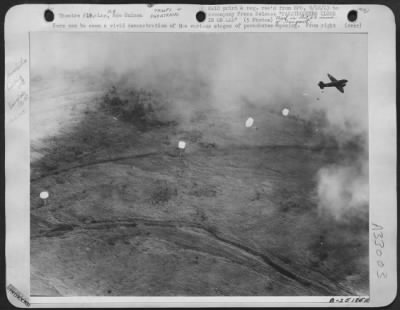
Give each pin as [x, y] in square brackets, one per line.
[130, 215]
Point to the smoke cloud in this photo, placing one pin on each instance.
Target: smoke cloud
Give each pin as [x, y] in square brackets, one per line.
[343, 191]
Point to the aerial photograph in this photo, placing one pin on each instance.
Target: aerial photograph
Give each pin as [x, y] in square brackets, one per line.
[199, 164]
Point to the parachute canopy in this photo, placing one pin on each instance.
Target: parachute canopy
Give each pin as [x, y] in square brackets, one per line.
[249, 122]
[182, 145]
[285, 112]
[44, 195]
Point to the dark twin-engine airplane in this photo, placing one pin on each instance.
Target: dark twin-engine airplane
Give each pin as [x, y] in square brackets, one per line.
[339, 84]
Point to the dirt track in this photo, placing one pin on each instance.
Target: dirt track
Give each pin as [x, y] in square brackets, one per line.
[192, 236]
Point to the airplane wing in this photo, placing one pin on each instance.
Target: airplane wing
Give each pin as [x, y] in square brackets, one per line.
[331, 78]
[340, 88]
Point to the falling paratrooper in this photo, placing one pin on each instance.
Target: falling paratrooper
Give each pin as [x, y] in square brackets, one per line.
[181, 147]
[250, 122]
[44, 196]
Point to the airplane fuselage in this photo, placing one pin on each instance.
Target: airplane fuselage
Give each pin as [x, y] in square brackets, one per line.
[341, 83]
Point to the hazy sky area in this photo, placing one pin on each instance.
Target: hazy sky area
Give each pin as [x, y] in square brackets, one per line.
[260, 66]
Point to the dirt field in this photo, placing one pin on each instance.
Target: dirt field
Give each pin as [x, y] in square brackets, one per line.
[236, 213]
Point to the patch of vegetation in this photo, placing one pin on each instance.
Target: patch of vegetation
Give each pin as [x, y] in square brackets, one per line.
[201, 215]
[163, 192]
[144, 109]
[290, 200]
[106, 128]
[205, 190]
[208, 145]
[94, 133]
[192, 136]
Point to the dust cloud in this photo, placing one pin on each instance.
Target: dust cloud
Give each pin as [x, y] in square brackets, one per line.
[225, 72]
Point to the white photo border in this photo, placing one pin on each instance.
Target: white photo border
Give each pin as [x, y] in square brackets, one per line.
[378, 23]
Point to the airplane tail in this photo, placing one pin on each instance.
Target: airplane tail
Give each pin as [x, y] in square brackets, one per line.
[321, 85]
